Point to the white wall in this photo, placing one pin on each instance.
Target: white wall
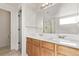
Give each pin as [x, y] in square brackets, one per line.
[14, 23]
[28, 24]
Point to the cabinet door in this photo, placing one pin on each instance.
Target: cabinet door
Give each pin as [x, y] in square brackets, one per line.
[32, 47]
[29, 46]
[46, 48]
[46, 52]
[67, 51]
[35, 50]
[29, 49]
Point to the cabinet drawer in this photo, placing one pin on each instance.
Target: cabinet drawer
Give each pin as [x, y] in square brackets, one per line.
[47, 45]
[35, 42]
[68, 51]
[29, 49]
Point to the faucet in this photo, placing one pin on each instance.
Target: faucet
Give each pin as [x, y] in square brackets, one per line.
[61, 36]
[40, 34]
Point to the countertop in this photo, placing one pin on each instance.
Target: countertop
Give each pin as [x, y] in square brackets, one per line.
[66, 42]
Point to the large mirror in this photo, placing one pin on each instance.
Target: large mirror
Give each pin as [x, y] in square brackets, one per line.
[62, 18]
[67, 19]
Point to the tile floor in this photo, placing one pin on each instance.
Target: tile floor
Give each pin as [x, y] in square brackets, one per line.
[5, 51]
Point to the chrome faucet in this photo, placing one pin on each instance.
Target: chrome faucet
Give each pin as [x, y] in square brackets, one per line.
[61, 36]
[40, 34]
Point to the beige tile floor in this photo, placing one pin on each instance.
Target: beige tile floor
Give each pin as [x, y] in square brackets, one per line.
[5, 51]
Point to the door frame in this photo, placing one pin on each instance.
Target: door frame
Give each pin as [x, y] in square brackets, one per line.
[20, 30]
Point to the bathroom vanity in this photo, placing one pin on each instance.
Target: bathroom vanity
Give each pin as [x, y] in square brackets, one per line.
[37, 47]
[42, 47]
[57, 20]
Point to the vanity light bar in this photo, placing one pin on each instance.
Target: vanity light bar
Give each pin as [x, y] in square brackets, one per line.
[46, 5]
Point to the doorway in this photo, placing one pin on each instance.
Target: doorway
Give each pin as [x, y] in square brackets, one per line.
[5, 31]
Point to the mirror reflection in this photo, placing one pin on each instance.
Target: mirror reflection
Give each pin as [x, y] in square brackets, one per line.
[61, 18]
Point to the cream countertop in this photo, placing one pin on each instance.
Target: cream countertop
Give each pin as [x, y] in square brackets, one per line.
[53, 38]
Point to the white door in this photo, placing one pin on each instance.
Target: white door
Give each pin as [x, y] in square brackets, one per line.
[4, 28]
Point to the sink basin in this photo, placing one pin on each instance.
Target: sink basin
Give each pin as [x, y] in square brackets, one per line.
[67, 42]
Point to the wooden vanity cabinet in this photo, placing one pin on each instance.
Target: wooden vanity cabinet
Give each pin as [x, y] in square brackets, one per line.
[39, 48]
[47, 48]
[35, 47]
[48, 45]
[67, 51]
[46, 52]
[32, 47]
[28, 46]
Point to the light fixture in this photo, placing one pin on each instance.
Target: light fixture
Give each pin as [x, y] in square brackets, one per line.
[46, 5]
